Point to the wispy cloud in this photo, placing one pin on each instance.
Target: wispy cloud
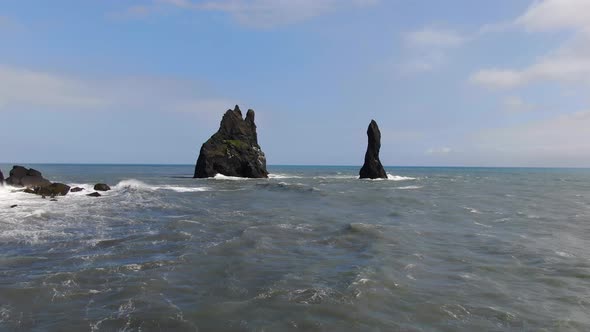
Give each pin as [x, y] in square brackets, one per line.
[514, 104]
[24, 88]
[549, 15]
[256, 13]
[431, 37]
[442, 151]
[561, 141]
[570, 63]
[428, 48]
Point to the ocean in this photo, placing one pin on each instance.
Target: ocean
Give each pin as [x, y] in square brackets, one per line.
[310, 249]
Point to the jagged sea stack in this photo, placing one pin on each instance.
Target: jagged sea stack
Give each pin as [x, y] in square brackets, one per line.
[233, 150]
[372, 169]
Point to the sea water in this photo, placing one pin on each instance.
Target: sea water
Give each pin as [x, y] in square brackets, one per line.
[309, 249]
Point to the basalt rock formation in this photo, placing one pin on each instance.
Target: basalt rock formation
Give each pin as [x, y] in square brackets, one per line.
[372, 169]
[23, 177]
[101, 187]
[233, 150]
[35, 183]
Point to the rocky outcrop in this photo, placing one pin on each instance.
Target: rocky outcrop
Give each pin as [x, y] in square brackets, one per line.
[76, 189]
[233, 150]
[35, 183]
[1, 178]
[52, 190]
[372, 169]
[23, 177]
[101, 187]
[94, 194]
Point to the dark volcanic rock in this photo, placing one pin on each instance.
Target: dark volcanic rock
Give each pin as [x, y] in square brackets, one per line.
[372, 169]
[94, 194]
[1, 178]
[52, 190]
[34, 182]
[76, 189]
[233, 150]
[13, 206]
[23, 177]
[101, 187]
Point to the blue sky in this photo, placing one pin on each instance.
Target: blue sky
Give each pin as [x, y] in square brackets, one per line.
[457, 82]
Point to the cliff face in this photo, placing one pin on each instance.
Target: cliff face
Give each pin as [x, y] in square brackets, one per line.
[233, 150]
[372, 168]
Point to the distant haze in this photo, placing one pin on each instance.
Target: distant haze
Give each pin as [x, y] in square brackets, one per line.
[458, 82]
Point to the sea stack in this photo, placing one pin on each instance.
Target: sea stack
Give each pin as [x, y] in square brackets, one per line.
[233, 150]
[1, 178]
[372, 169]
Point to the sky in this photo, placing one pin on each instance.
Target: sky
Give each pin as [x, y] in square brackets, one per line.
[450, 83]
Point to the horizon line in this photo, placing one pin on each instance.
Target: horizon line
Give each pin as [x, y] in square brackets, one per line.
[291, 165]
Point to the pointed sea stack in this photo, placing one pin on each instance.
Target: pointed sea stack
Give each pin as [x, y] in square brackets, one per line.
[372, 169]
[233, 150]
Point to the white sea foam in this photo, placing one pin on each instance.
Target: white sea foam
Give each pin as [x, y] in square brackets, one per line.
[232, 178]
[338, 177]
[399, 177]
[136, 185]
[133, 184]
[472, 210]
[283, 176]
[185, 189]
[409, 187]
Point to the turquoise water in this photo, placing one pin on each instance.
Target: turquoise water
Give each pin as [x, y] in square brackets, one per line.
[311, 249]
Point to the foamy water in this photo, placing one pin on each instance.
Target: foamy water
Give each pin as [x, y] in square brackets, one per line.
[310, 248]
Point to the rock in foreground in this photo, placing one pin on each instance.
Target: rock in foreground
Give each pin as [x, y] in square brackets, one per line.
[23, 177]
[233, 150]
[35, 183]
[52, 190]
[373, 169]
[101, 187]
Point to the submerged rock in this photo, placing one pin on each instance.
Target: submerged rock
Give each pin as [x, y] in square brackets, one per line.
[101, 187]
[23, 177]
[233, 150]
[94, 194]
[372, 169]
[13, 206]
[76, 189]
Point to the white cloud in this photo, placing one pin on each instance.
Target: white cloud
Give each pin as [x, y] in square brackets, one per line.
[560, 141]
[431, 37]
[570, 63]
[428, 48]
[514, 104]
[23, 88]
[258, 13]
[439, 151]
[556, 14]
